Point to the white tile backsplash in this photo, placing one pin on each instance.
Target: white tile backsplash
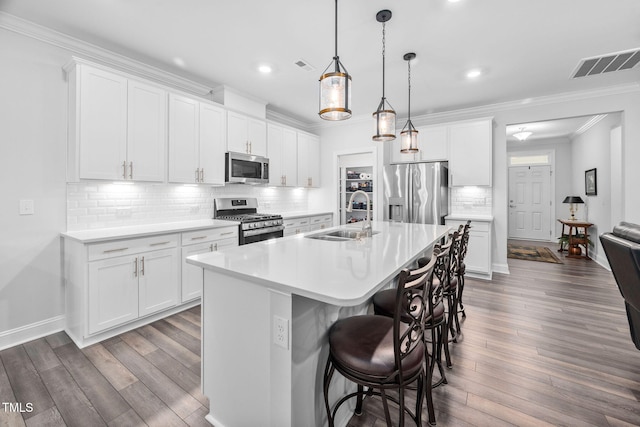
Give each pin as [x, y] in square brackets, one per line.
[91, 205]
[467, 200]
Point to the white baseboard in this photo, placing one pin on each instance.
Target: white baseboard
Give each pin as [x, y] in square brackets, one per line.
[500, 268]
[31, 332]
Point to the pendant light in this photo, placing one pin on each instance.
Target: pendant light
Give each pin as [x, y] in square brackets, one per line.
[385, 116]
[409, 134]
[335, 86]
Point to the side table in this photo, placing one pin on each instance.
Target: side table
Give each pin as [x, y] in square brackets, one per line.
[577, 236]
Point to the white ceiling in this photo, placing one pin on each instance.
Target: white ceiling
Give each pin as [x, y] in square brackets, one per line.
[526, 49]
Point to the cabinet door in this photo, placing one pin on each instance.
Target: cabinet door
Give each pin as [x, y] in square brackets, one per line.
[275, 141]
[192, 276]
[158, 284]
[433, 143]
[212, 143]
[146, 132]
[183, 139]
[257, 136]
[471, 153]
[308, 160]
[103, 124]
[237, 137]
[290, 157]
[113, 292]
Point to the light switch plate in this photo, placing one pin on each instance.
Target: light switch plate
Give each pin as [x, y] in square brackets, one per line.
[27, 207]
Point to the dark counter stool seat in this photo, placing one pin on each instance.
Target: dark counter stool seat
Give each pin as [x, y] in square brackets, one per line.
[383, 353]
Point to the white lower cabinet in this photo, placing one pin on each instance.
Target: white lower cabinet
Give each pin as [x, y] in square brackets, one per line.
[478, 259]
[202, 241]
[158, 281]
[304, 224]
[320, 222]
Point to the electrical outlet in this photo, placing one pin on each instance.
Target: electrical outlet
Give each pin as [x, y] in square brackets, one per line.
[281, 332]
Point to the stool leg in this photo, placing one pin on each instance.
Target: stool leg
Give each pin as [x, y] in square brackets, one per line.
[460, 289]
[428, 388]
[358, 410]
[328, 373]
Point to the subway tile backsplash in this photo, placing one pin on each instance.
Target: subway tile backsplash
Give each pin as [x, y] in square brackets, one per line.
[471, 200]
[106, 205]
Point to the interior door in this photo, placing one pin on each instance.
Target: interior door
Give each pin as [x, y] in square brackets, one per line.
[530, 202]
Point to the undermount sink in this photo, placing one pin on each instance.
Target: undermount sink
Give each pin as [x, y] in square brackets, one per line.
[340, 235]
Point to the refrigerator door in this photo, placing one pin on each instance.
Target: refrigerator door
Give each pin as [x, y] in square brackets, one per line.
[396, 188]
[423, 192]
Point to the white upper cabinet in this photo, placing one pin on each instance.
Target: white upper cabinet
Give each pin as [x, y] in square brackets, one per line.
[196, 141]
[146, 132]
[117, 127]
[471, 153]
[246, 134]
[308, 160]
[283, 158]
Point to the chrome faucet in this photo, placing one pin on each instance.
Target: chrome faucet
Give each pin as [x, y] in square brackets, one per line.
[366, 227]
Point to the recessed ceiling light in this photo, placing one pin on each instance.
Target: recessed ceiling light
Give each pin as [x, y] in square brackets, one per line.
[454, 1]
[265, 69]
[179, 62]
[472, 74]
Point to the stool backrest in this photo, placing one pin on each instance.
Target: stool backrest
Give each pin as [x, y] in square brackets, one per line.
[412, 308]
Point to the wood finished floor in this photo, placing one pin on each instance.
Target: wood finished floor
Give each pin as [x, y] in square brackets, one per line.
[546, 345]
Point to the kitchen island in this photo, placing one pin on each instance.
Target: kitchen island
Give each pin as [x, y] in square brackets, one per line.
[266, 309]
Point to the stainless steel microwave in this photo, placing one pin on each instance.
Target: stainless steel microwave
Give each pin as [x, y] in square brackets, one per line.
[246, 168]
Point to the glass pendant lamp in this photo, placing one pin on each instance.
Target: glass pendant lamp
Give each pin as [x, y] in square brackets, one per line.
[335, 86]
[409, 134]
[385, 116]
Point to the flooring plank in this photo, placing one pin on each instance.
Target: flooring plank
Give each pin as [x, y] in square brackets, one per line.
[58, 339]
[128, 419]
[49, 418]
[71, 402]
[104, 398]
[181, 375]
[8, 418]
[138, 342]
[119, 376]
[149, 407]
[41, 354]
[179, 335]
[169, 346]
[183, 324]
[153, 378]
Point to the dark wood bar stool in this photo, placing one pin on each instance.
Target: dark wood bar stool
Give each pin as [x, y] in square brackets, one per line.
[464, 245]
[383, 353]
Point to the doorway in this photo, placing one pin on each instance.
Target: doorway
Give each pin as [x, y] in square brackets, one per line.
[530, 202]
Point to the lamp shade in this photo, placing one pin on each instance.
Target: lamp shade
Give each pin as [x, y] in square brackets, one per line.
[572, 199]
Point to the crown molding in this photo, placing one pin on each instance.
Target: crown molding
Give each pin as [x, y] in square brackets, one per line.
[101, 55]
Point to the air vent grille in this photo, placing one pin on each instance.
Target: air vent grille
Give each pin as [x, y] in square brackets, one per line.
[304, 65]
[607, 63]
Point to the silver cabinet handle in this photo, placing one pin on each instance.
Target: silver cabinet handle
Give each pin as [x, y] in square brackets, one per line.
[250, 147]
[124, 170]
[142, 266]
[160, 243]
[246, 148]
[227, 233]
[211, 247]
[130, 170]
[135, 267]
[512, 206]
[108, 251]
[202, 175]
[199, 238]
[198, 175]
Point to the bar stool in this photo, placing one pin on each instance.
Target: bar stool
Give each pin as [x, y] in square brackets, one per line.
[383, 353]
[462, 268]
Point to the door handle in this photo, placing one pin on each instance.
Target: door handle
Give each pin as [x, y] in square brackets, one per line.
[512, 206]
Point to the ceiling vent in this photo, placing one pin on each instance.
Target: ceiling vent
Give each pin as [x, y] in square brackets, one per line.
[607, 63]
[304, 65]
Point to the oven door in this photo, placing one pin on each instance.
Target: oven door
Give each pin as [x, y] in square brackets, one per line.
[245, 168]
[260, 234]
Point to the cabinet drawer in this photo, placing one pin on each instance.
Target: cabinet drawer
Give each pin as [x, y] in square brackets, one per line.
[482, 226]
[209, 234]
[118, 248]
[320, 219]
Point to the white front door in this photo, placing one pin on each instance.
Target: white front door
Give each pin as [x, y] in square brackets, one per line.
[530, 202]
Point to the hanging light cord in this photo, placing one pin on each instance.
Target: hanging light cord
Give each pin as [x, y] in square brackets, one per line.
[336, 37]
[409, 64]
[383, 55]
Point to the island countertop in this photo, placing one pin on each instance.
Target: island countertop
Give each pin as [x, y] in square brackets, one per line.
[335, 272]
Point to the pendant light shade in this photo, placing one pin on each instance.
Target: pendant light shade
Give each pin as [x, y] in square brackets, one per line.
[385, 116]
[409, 134]
[335, 86]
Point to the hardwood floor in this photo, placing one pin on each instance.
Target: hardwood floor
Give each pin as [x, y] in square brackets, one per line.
[546, 345]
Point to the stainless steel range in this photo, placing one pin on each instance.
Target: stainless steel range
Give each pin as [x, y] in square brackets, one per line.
[254, 226]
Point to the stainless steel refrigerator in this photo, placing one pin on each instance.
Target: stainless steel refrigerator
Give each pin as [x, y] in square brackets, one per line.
[416, 192]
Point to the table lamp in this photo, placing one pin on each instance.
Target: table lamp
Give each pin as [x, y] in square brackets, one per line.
[572, 200]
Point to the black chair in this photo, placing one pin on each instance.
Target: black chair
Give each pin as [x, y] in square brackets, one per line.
[383, 353]
[622, 247]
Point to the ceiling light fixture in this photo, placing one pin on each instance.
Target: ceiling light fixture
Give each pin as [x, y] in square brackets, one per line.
[409, 134]
[265, 69]
[475, 73]
[522, 135]
[385, 116]
[335, 87]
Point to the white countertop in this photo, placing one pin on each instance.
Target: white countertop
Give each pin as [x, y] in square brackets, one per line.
[340, 273]
[143, 230]
[472, 217]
